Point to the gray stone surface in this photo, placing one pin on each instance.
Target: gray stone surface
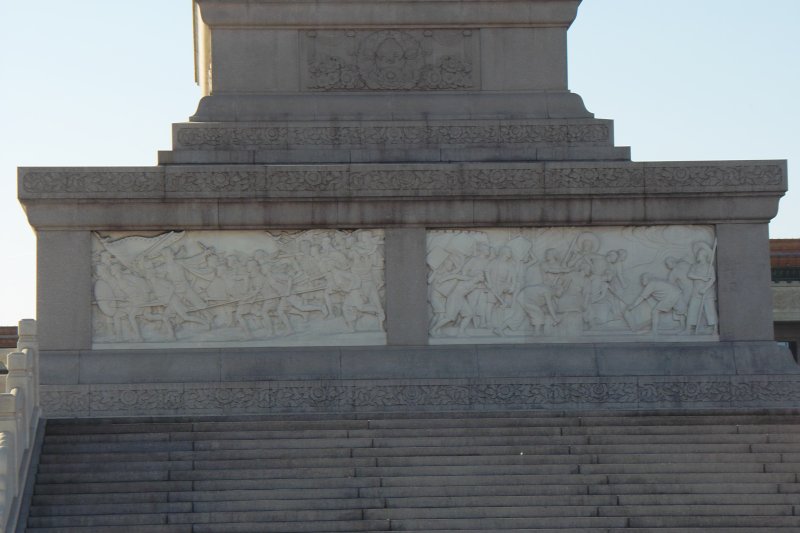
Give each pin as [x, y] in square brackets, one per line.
[244, 365]
[64, 290]
[407, 288]
[743, 275]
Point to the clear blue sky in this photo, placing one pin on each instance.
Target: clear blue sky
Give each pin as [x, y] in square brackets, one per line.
[90, 83]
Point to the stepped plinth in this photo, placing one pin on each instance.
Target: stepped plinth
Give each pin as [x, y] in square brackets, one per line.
[400, 204]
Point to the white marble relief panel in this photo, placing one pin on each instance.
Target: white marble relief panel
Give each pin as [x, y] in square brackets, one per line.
[238, 288]
[572, 284]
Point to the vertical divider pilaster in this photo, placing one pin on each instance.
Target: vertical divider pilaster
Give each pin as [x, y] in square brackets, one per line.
[406, 287]
[64, 289]
[743, 281]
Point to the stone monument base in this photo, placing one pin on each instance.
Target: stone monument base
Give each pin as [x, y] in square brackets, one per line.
[441, 378]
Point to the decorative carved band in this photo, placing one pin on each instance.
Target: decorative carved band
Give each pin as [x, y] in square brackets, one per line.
[97, 181]
[331, 396]
[365, 180]
[390, 60]
[204, 137]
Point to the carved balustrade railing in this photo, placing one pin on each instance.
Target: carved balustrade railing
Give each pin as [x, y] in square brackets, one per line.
[19, 419]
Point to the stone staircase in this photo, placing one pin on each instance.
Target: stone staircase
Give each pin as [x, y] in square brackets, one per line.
[481, 472]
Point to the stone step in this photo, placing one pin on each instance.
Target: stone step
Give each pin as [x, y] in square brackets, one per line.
[442, 502]
[102, 498]
[130, 486]
[231, 495]
[646, 458]
[87, 509]
[193, 496]
[193, 435]
[206, 507]
[117, 447]
[707, 499]
[130, 520]
[714, 521]
[745, 423]
[692, 487]
[140, 528]
[465, 460]
[782, 467]
[698, 510]
[370, 526]
[369, 472]
[627, 530]
[100, 426]
[565, 511]
[190, 455]
[231, 442]
[499, 524]
[169, 446]
[678, 468]
[458, 437]
[103, 434]
[59, 458]
[585, 459]
[194, 518]
[104, 477]
[181, 475]
[507, 479]
[264, 484]
[182, 486]
[688, 477]
[570, 489]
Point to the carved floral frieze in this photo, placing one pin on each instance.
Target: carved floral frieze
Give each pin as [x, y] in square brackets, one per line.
[257, 137]
[342, 397]
[248, 288]
[572, 284]
[362, 180]
[98, 181]
[713, 176]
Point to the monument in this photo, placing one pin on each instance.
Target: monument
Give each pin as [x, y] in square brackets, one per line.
[396, 204]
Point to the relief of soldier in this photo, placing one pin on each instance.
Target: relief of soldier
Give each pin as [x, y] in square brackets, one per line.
[183, 286]
[564, 283]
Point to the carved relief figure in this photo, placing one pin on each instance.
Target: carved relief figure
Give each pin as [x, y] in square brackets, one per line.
[666, 299]
[507, 285]
[702, 313]
[239, 287]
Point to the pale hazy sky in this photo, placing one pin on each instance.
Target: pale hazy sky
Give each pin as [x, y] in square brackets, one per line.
[98, 82]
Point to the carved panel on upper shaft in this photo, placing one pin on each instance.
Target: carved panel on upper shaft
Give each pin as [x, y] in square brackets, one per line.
[250, 288]
[390, 60]
[572, 284]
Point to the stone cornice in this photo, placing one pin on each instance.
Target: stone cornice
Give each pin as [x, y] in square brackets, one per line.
[397, 13]
[388, 195]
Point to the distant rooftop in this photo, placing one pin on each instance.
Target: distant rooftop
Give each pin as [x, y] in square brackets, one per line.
[785, 259]
[8, 337]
